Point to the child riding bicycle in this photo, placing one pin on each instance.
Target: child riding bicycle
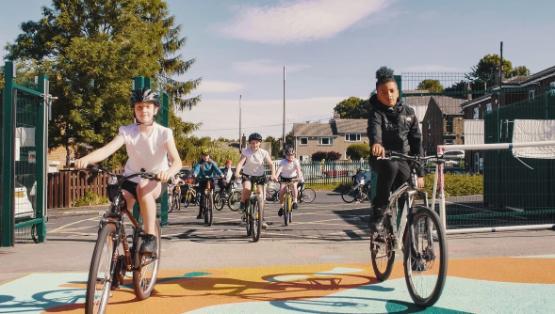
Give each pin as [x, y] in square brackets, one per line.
[150, 147]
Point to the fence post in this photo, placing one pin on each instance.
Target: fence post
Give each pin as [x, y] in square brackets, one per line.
[41, 145]
[7, 219]
[164, 119]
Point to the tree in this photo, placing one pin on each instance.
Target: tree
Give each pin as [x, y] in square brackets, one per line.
[330, 156]
[432, 86]
[276, 147]
[352, 108]
[485, 74]
[91, 50]
[358, 151]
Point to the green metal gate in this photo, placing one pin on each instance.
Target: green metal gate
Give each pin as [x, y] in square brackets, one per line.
[23, 158]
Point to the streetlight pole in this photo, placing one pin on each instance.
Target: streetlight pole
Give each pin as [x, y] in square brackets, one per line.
[283, 131]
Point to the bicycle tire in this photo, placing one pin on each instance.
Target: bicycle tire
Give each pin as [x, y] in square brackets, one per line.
[347, 196]
[189, 197]
[219, 201]
[108, 231]
[208, 209]
[256, 221]
[143, 291]
[286, 209]
[234, 201]
[248, 218]
[414, 264]
[307, 195]
[386, 245]
[176, 202]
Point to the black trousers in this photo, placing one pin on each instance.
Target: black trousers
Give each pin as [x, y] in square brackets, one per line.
[391, 175]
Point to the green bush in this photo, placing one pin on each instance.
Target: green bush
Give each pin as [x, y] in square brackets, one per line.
[91, 199]
[358, 151]
[458, 184]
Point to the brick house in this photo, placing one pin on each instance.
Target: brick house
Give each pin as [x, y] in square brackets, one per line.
[443, 123]
[335, 135]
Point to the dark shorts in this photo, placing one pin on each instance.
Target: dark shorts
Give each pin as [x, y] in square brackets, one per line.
[254, 179]
[286, 180]
[131, 187]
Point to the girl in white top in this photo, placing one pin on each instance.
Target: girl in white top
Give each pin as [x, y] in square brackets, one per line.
[289, 169]
[252, 163]
[149, 146]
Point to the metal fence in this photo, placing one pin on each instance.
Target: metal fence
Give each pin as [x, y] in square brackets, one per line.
[517, 191]
[329, 172]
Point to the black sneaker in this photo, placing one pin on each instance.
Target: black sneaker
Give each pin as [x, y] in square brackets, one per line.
[149, 244]
[295, 206]
[242, 206]
[199, 216]
[280, 211]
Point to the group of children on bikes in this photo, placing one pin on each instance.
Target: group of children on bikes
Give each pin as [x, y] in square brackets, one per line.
[392, 126]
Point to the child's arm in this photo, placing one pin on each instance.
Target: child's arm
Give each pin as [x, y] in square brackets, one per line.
[240, 166]
[101, 153]
[278, 171]
[271, 163]
[299, 170]
[175, 161]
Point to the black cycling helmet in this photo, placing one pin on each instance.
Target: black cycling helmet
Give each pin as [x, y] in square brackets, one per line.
[289, 151]
[255, 137]
[145, 95]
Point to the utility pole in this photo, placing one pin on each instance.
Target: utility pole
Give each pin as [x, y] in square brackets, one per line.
[283, 131]
[501, 64]
[240, 130]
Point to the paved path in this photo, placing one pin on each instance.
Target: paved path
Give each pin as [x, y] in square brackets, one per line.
[318, 264]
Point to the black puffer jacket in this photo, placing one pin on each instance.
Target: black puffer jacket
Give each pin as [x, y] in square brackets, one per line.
[396, 128]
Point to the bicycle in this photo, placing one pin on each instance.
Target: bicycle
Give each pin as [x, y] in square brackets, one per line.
[232, 199]
[252, 214]
[306, 195]
[176, 196]
[359, 192]
[208, 203]
[190, 195]
[288, 202]
[112, 257]
[415, 231]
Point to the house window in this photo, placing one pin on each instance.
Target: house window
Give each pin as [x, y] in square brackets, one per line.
[303, 140]
[449, 142]
[531, 94]
[352, 137]
[449, 125]
[488, 107]
[476, 113]
[325, 140]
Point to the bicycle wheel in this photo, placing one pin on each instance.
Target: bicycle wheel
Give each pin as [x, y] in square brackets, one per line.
[382, 255]
[287, 209]
[272, 195]
[146, 267]
[208, 208]
[425, 262]
[308, 195]
[255, 220]
[234, 201]
[219, 201]
[349, 196]
[248, 218]
[176, 202]
[188, 199]
[100, 271]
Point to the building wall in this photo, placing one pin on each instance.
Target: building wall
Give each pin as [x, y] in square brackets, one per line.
[339, 144]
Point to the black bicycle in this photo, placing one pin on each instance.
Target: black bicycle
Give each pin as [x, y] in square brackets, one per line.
[112, 257]
[358, 192]
[416, 231]
[252, 213]
[304, 194]
[232, 199]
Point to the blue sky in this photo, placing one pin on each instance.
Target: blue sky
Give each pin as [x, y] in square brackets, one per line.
[331, 49]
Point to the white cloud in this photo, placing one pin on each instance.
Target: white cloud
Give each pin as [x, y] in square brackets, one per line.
[265, 67]
[213, 86]
[220, 117]
[299, 21]
[432, 68]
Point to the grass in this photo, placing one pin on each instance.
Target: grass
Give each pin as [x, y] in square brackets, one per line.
[91, 199]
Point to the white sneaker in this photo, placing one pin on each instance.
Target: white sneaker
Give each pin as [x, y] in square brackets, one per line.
[264, 225]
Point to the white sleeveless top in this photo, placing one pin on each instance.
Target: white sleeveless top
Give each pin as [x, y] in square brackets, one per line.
[146, 151]
[289, 169]
[254, 165]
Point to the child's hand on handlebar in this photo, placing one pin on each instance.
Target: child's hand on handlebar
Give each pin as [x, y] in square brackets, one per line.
[81, 163]
[420, 182]
[163, 176]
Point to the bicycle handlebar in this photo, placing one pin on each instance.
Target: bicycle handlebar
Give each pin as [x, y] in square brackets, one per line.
[434, 158]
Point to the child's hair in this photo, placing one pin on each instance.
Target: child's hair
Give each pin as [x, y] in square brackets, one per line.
[384, 75]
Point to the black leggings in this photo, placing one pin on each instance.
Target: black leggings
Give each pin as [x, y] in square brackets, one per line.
[391, 175]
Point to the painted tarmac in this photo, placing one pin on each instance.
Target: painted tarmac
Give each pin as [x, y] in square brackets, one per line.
[485, 285]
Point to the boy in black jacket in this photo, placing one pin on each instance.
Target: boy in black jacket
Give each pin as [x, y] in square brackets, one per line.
[392, 126]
